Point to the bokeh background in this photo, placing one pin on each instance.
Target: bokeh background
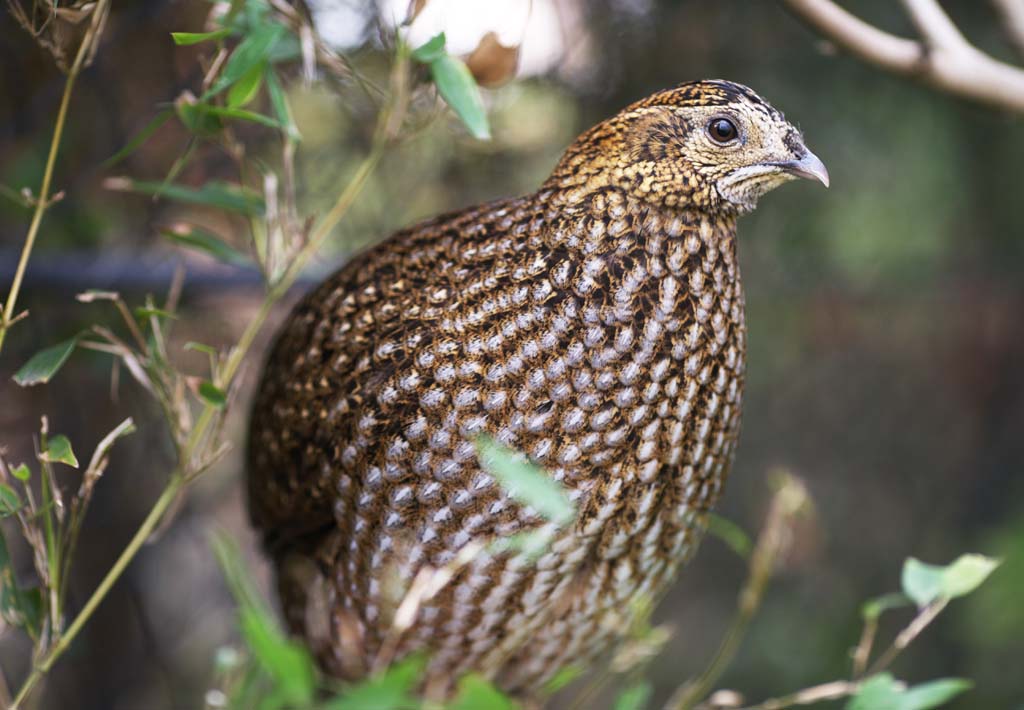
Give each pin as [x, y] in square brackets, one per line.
[886, 362]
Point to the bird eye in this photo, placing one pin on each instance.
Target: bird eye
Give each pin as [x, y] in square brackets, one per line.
[722, 130]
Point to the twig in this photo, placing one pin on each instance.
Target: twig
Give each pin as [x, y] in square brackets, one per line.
[945, 61]
[912, 631]
[808, 696]
[188, 462]
[43, 200]
[772, 542]
[1012, 12]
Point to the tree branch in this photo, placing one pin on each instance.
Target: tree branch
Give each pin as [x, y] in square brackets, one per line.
[1012, 12]
[934, 24]
[947, 62]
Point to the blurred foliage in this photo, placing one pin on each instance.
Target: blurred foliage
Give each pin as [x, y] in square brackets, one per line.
[884, 350]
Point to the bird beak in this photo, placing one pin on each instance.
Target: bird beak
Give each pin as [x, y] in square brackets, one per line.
[809, 166]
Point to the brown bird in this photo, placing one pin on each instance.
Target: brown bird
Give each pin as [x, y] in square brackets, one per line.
[595, 325]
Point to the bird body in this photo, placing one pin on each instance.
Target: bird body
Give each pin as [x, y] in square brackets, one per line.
[596, 326]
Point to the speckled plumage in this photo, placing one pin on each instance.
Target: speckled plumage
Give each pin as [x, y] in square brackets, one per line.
[595, 325]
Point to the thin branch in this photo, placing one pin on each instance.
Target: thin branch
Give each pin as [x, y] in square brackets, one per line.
[790, 499]
[934, 24]
[43, 200]
[911, 632]
[1012, 12]
[808, 696]
[958, 68]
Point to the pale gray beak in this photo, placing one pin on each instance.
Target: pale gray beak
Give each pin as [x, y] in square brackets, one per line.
[809, 166]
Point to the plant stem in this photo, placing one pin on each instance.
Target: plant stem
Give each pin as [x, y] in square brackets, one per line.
[789, 499]
[43, 198]
[141, 535]
[182, 474]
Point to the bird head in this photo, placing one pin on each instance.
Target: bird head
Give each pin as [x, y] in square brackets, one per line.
[711, 145]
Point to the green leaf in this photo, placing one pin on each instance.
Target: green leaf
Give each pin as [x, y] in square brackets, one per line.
[201, 348]
[874, 608]
[247, 87]
[731, 534]
[21, 472]
[279, 100]
[212, 394]
[430, 51]
[19, 607]
[288, 663]
[10, 501]
[44, 365]
[392, 690]
[139, 138]
[634, 697]
[186, 38]
[527, 483]
[883, 692]
[458, 88]
[198, 119]
[225, 196]
[926, 583]
[189, 235]
[561, 679]
[58, 450]
[240, 115]
[477, 693]
[934, 693]
[250, 52]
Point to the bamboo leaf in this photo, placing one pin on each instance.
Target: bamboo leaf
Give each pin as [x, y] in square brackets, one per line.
[211, 394]
[183, 39]
[42, 366]
[431, 50]
[279, 100]
[10, 501]
[222, 195]
[198, 238]
[456, 85]
[139, 138]
[247, 87]
[525, 482]
[58, 450]
[250, 52]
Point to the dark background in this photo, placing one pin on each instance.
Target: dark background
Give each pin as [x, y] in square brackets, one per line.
[885, 363]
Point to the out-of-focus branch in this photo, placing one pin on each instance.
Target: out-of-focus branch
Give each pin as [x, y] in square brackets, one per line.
[945, 60]
[1012, 12]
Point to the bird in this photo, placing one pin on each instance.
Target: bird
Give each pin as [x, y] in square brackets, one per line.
[595, 327]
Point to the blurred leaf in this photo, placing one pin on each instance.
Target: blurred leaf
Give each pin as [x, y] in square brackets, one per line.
[394, 689]
[477, 693]
[211, 394]
[58, 450]
[197, 118]
[731, 534]
[22, 608]
[458, 88]
[45, 364]
[288, 663]
[139, 138]
[527, 483]
[874, 608]
[634, 697]
[883, 692]
[241, 115]
[430, 51]
[226, 196]
[21, 472]
[561, 679]
[250, 52]
[10, 501]
[198, 238]
[200, 347]
[187, 38]
[143, 312]
[246, 88]
[279, 100]
[925, 583]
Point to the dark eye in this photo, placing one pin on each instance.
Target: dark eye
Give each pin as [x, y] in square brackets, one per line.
[722, 130]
